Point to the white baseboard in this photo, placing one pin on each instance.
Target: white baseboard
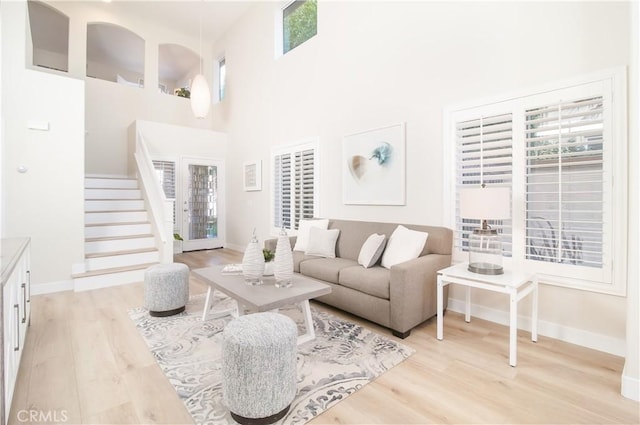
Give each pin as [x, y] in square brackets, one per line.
[51, 287]
[239, 248]
[630, 387]
[605, 343]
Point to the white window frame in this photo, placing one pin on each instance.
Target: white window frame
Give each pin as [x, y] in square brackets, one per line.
[278, 38]
[222, 79]
[299, 146]
[612, 277]
[217, 78]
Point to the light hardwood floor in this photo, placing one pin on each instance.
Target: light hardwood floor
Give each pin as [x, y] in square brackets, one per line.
[84, 362]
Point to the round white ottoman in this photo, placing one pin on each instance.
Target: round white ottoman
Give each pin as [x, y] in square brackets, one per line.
[259, 367]
[166, 289]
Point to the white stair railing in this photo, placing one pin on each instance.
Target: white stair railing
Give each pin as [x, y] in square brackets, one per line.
[159, 206]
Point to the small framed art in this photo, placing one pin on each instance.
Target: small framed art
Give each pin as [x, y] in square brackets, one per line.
[252, 175]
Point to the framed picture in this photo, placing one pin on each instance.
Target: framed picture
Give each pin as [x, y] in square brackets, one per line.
[373, 167]
[252, 175]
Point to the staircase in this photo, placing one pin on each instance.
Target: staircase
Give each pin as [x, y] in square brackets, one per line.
[119, 244]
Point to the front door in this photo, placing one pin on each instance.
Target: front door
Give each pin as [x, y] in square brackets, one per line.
[202, 204]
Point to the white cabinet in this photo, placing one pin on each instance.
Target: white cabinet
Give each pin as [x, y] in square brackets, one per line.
[16, 313]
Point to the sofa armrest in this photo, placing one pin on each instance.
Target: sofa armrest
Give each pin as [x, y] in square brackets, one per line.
[413, 291]
[270, 244]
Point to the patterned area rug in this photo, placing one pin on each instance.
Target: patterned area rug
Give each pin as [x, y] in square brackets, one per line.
[342, 359]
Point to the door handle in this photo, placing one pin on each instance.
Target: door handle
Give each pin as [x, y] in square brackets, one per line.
[24, 302]
[17, 307]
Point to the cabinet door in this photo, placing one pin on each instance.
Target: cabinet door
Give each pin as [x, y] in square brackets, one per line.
[24, 294]
[12, 337]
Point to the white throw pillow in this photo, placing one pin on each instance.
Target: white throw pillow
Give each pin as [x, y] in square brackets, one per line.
[303, 232]
[403, 245]
[322, 242]
[371, 250]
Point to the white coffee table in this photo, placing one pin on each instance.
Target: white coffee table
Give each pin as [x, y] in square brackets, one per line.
[516, 284]
[265, 297]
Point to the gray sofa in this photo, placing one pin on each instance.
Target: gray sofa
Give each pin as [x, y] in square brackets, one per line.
[399, 298]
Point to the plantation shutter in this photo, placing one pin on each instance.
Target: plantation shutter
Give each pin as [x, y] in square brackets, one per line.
[483, 155]
[166, 172]
[282, 191]
[294, 185]
[565, 182]
[305, 185]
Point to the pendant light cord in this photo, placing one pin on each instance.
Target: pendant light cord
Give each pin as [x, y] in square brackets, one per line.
[200, 61]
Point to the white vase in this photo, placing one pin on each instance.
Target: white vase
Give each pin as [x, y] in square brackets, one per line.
[283, 267]
[253, 262]
[268, 268]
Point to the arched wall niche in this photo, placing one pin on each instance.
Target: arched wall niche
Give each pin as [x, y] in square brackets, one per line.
[177, 65]
[115, 53]
[49, 30]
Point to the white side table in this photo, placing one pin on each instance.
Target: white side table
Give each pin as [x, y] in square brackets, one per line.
[514, 283]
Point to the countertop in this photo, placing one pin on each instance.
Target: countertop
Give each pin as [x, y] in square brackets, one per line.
[10, 252]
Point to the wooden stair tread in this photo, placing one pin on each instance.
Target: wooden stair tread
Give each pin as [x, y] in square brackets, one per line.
[114, 199]
[122, 252]
[124, 223]
[113, 211]
[112, 188]
[117, 238]
[113, 270]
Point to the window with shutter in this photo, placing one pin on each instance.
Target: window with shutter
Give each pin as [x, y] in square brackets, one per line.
[294, 185]
[166, 172]
[483, 156]
[564, 190]
[560, 150]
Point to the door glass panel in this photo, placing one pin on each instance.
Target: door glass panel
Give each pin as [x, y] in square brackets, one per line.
[203, 200]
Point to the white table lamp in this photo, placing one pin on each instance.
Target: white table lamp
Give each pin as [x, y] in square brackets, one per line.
[485, 245]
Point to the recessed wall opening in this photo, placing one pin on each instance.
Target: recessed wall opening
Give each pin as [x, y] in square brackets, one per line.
[177, 66]
[49, 31]
[115, 54]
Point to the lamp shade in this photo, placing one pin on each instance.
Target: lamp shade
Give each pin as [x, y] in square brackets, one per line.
[200, 96]
[485, 203]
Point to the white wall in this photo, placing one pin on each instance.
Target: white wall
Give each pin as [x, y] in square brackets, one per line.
[631, 374]
[378, 63]
[46, 203]
[2, 136]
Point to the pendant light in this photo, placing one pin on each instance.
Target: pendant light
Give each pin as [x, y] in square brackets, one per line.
[200, 94]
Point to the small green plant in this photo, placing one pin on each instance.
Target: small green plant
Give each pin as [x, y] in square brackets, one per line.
[177, 237]
[268, 255]
[183, 92]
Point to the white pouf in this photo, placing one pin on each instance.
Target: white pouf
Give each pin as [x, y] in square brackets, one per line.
[259, 367]
[166, 289]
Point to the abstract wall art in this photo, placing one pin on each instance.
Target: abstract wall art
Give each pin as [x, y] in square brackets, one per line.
[373, 170]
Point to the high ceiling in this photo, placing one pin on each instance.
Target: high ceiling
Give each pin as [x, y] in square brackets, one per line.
[112, 44]
[183, 16]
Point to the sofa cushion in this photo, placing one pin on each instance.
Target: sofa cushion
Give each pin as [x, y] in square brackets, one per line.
[354, 233]
[371, 250]
[327, 269]
[404, 245]
[322, 242]
[304, 226]
[373, 281]
[299, 257]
